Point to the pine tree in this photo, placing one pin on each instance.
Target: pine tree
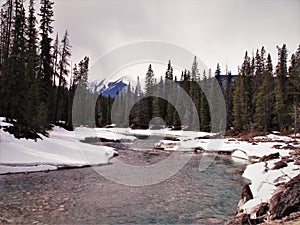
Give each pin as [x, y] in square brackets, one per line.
[195, 94]
[228, 98]
[18, 83]
[63, 70]
[128, 104]
[7, 18]
[162, 103]
[265, 100]
[195, 70]
[242, 98]
[137, 116]
[169, 73]
[258, 76]
[81, 111]
[32, 60]
[169, 94]
[294, 88]
[283, 105]
[45, 70]
[218, 76]
[204, 109]
[55, 60]
[149, 88]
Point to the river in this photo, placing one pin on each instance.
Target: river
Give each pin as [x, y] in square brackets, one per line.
[82, 196]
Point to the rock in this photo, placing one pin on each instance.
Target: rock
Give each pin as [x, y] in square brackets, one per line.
[254, 159]
[169, 138]
[277, 146]
[289, 147]
[240, 219]
[246, 193]
[246, 196]
[198, 149]
[287, 159]
[260, 212]
[269, 157]
[286, 201]
[279, 165]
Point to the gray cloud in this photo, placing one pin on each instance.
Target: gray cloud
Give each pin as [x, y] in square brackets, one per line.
[216, 31]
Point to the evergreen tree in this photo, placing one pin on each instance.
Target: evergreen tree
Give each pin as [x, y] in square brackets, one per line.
[169, 94]
[218, 76]
[242, 98]
[282, 106]
[195, 70]
[265, 100]
[32, 62]
[162, 103]
[228, 98]
[169, 73]
[55, 63]
[45, 70]
[80, 105]
[195, 94]
[63, 70]
[137, 116]
[294, 88]
[18, 82]
[258, 76]
[204, 109]
[7, 18]
[149, 88]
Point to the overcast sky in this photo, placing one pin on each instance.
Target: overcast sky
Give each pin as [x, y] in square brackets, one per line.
[215, 31]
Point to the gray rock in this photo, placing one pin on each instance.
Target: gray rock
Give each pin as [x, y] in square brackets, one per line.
[287, 200]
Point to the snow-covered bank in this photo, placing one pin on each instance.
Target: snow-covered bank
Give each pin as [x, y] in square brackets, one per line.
[276, 162]
[273, 161]
[62, 148]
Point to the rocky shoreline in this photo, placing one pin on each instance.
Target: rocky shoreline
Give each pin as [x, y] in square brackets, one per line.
[284, 204]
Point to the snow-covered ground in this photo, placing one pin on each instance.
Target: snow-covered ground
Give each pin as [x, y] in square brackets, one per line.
[62, 148]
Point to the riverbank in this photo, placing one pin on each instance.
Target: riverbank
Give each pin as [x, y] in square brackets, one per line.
[273, 196]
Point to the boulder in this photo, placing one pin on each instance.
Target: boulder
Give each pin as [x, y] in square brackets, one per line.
[240, 219]
[270, 157]
[260, 213]
[246, 196]
[287, 200]
[279, 165]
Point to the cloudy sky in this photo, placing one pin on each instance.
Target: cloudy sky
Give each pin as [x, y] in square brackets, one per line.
[215, 31]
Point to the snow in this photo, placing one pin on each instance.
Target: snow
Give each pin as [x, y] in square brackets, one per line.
[263, 180]
[240, 155]
[22, 169]
[4, 124]
[107, 133]
[60, 149]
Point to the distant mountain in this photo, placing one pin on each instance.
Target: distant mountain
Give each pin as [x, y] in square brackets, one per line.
[112, 88]
[108, 88]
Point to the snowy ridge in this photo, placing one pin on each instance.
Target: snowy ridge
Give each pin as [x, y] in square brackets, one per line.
[107, 87]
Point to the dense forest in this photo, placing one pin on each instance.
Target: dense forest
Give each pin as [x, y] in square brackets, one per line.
[37, 84]
[259, 98]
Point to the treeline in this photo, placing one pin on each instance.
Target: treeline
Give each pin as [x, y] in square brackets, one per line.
[37, 88]
[35, 84]
[260, 98]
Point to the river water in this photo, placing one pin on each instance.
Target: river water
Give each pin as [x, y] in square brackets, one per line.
[82, 196]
